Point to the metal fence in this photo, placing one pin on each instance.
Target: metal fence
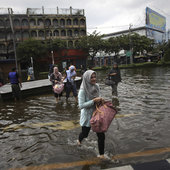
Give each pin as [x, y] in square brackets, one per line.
[3, 11]
[41, 11]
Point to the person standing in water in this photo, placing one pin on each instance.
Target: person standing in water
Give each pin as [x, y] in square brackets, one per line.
[16, 85]
[115, 76]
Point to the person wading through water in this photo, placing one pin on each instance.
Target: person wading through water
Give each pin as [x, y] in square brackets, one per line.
[88, 98]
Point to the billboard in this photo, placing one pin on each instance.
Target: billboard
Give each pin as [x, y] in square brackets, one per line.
[155, 20]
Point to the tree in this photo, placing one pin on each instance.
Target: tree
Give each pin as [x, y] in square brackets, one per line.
[141, 43]
[92, 43]
[167, 52]
[31, 48]
[58, 44]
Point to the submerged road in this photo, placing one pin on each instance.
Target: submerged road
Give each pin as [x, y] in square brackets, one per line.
[37, 133]
[31, 88]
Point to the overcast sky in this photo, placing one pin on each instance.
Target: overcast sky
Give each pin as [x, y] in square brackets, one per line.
[105, 16]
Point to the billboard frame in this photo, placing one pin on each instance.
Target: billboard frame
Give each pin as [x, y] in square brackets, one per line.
[161, 26]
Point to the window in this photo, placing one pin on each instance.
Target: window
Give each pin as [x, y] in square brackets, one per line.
[40, 22]
[76, 44]
[25, 34]
[24, 22]
[69, 33]
[75, 21]
[82, 32]
[41, 33]
[47, 22]
[7, 23]
[82, 22]
[62, 22]
[2, 47]
[56, 33]
[63, 33]
[68, 21]
[9, 35]
[32, 22]
[76, 33]
[10, 46]
[55, 22]
[1, 23]
[33, 34]
[2, 35]
[16, 22]
[18, 35]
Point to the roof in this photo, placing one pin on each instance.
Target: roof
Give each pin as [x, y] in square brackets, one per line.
[132, 30]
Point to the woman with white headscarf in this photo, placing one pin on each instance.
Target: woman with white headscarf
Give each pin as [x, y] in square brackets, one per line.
[70, 84]
[88, 97]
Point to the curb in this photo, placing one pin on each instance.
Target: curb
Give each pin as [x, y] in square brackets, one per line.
[156, 165]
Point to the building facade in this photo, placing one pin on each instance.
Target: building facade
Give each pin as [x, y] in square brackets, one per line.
[39, 24]
[152, 33]
[155, 27]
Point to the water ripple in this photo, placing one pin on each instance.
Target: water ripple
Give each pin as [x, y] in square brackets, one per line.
[36, 130]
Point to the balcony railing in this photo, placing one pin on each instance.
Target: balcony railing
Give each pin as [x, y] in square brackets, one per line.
[41, 11]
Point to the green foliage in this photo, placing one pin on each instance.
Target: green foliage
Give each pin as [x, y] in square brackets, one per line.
[58, 44]
[167, 55]
[113, 45]
[55, 44]
[104, 67]
[31, 48]
[83, 43]
[93, 43]
[126, 42]
[167, 52]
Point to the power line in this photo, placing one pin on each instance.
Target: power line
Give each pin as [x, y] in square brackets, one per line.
[98, 27]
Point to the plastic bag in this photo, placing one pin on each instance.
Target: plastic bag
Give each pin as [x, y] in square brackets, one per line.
[58, 88]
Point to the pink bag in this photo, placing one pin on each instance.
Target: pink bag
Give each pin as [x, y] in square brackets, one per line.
[102, 117]
[58, 88]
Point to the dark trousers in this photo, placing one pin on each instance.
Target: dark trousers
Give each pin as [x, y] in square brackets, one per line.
[57, 95]
[114, 89]
[16, 91]
[101, 138]
[71, 87]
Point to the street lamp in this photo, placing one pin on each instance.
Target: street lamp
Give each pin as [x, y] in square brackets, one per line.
[131, 46]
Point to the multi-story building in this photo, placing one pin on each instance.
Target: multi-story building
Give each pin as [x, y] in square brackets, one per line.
[154, 28]
[152, 33]
[40, 24]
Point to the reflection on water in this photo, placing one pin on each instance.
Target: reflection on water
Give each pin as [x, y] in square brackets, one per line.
[38, 131]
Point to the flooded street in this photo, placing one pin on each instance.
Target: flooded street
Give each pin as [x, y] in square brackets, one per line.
[37, 131]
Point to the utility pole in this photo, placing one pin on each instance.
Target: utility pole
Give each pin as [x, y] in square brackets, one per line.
[130, 42]
[52, 52]
[168, 34]
[13, 35]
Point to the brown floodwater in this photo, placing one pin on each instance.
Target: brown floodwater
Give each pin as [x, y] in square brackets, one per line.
[37, 132]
